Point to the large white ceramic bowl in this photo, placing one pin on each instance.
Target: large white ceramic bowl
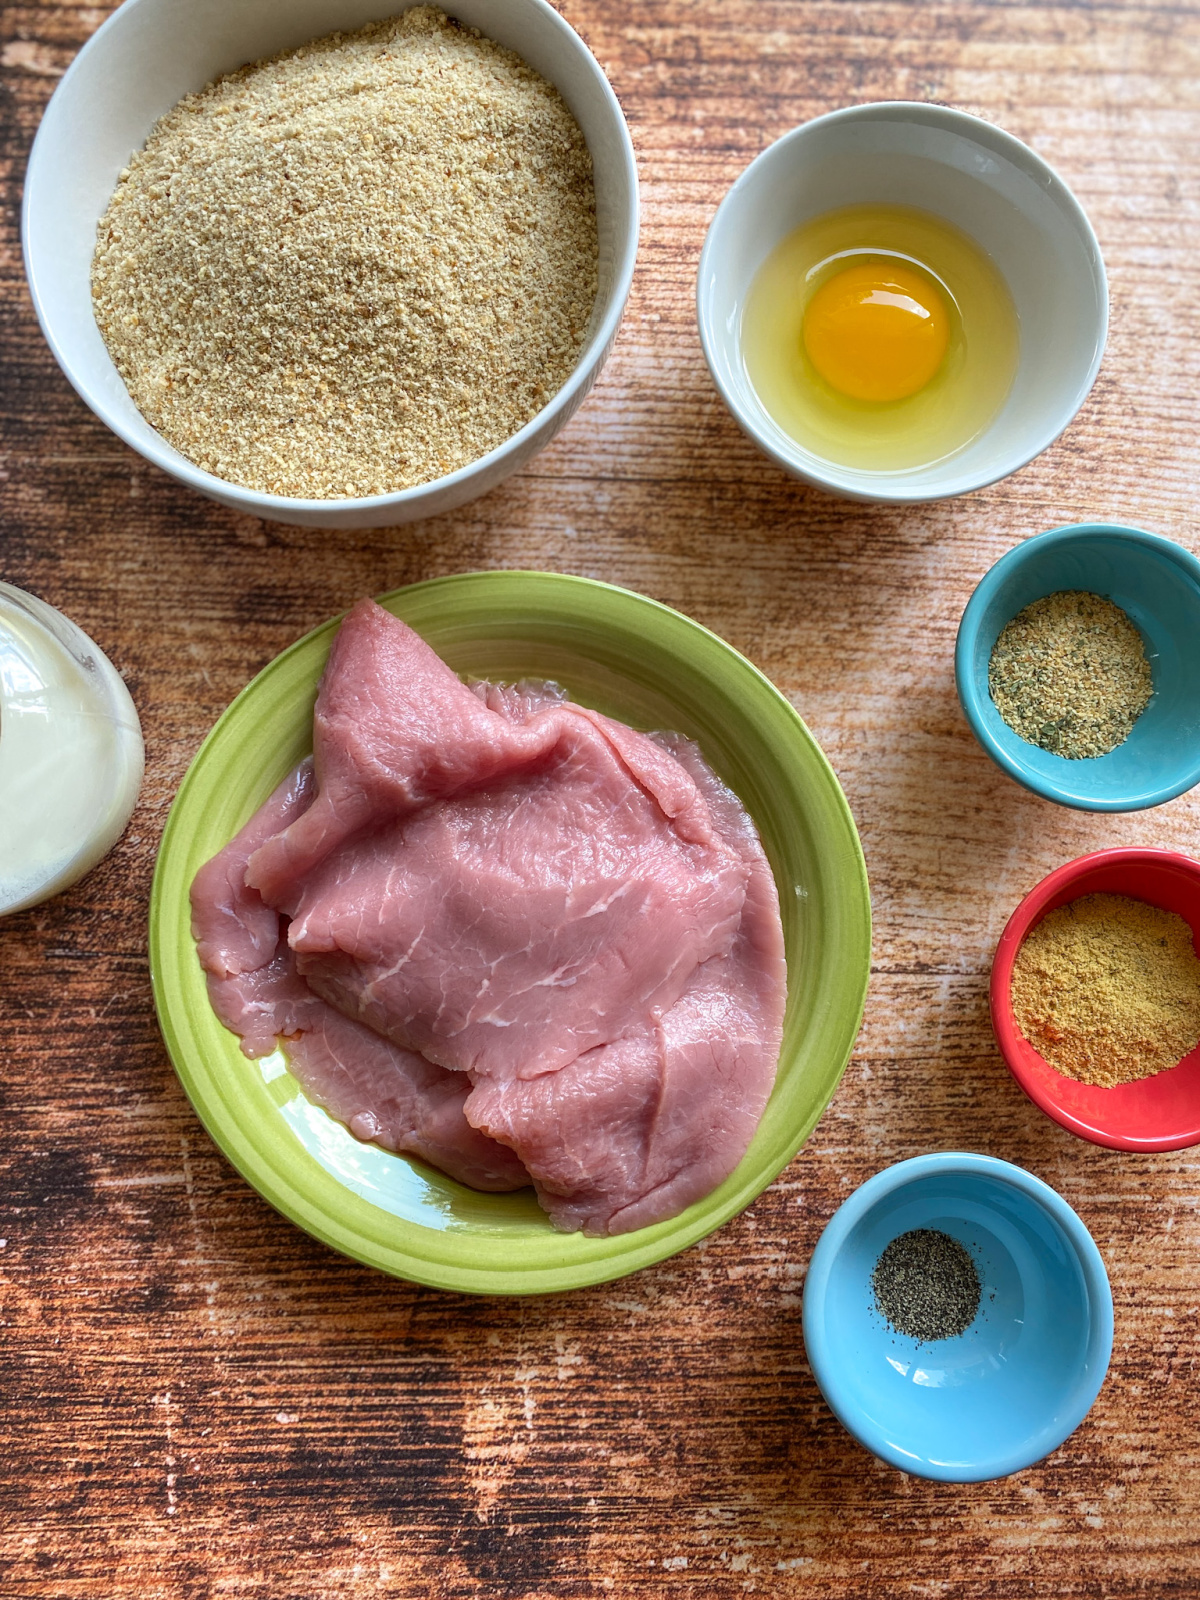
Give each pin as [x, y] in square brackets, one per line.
[151, 53]
[990, 186]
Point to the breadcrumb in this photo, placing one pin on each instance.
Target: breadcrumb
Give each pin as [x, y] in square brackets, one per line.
[354, 267]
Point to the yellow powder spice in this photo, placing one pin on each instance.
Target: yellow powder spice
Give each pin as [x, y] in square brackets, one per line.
[356, 266]
[1107, 989]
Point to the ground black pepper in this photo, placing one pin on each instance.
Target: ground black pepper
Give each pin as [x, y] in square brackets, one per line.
[926, 1285]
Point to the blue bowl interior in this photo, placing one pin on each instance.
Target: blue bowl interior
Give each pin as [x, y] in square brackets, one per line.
[1158, 585]
[1004, 1393]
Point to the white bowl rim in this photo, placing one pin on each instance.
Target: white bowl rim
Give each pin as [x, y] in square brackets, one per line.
[174, 463]
[986, 134]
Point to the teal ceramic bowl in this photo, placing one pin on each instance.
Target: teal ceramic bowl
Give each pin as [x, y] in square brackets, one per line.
[1157, 584]
[1020, 1379]
[633, 659]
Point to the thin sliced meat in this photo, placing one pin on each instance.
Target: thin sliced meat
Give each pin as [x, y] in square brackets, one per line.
[393, 729]
[508, 930]
[637, 1130]
[517, 702]
[267, 1003]
[383, 1093]
[233, 929]
[533, 890]
[507, 934]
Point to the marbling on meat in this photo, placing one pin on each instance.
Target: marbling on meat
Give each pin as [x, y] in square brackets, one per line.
[507, 934]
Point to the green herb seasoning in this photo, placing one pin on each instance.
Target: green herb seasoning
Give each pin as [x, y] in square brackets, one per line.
[1069, 674]
[926, 1285]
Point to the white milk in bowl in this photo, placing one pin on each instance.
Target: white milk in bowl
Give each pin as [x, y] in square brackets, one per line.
[70, 752]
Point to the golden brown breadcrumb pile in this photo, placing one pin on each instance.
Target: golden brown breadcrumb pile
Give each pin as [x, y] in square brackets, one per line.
[355, 267]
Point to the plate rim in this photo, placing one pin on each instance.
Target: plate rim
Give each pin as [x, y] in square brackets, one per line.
[399, 1259]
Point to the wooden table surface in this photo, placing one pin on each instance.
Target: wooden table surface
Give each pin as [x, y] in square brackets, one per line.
[200, 1400]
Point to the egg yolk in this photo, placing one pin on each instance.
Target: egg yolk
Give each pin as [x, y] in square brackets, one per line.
[878, 331]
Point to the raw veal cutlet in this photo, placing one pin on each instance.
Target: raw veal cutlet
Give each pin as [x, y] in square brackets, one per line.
[570, 921]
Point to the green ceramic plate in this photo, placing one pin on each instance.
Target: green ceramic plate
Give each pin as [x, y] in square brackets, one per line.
[624, 655]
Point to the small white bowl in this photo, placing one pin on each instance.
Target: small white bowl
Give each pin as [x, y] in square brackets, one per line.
[990, 186]
[151, 53]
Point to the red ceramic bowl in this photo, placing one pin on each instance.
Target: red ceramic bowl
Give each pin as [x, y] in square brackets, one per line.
[1159, 1113]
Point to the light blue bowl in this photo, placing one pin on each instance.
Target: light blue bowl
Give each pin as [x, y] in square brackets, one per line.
[1021, 1378]
[1157, 583]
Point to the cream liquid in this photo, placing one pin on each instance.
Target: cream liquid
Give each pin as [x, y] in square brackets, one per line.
[70, 752]
[952, 409]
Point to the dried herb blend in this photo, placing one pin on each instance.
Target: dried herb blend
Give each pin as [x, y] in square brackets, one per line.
[1107, 989]
[354, 267]
[927, 1285]
[1069, 674]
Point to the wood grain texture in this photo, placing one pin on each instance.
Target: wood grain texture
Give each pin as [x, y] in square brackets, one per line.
[199, 1400]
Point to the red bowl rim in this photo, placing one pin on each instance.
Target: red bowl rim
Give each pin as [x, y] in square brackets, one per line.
[1004, 1026]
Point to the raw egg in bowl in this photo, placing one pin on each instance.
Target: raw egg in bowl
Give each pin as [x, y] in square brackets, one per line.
[900, 302]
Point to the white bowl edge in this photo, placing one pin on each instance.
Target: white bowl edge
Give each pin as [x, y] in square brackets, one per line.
[70, 179]
[994, 163]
